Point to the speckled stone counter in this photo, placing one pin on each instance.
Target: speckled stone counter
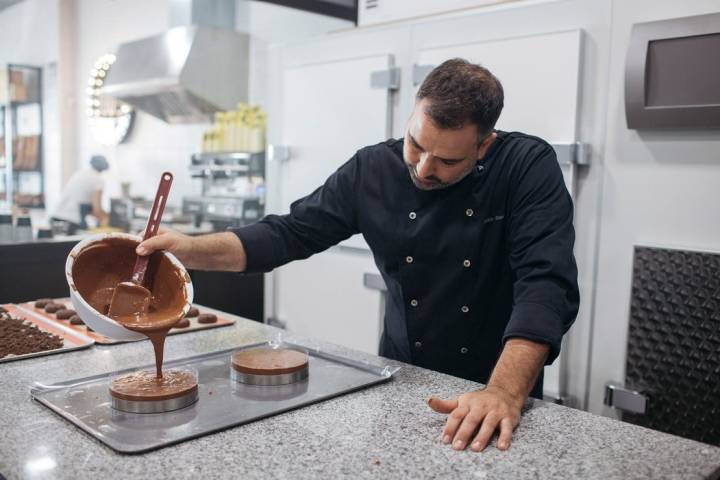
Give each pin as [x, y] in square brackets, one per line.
[386, 431]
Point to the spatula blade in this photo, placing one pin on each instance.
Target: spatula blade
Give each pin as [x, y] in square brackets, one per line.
[129, 299]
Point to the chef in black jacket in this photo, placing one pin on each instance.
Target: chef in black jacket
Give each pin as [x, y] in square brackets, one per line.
[471, 229]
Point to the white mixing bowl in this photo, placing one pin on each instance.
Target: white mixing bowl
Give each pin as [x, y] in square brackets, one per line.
[102, 324]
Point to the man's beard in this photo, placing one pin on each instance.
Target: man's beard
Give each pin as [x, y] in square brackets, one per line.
[434, 184]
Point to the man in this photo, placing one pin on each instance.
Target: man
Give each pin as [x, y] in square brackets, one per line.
[472, 232]
[83, 191]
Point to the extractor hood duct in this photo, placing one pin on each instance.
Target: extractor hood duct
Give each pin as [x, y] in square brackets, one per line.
[189, 72]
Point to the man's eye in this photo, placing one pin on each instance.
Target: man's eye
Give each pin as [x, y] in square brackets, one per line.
[449, 163]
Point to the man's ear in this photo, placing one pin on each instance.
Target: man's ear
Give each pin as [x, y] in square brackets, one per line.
[485, 145]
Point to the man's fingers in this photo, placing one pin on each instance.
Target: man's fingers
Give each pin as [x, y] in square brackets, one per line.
[453, 422]
[506, 431]
[442, 406]
[468, 428]
[158, 242]
[489, 424]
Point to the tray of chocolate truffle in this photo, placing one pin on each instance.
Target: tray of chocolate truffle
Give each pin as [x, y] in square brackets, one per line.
[26, 336]
[152, 406]
[60, 310]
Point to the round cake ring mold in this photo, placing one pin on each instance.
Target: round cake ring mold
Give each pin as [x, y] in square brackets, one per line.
[159, 406]
[183, 400]
[269, 380]
[103, 324]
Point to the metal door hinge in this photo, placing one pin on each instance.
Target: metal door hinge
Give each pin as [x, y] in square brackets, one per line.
[388, 79]
[420, 72]
[572, 153]
[622, 398]
[374, 282]
[278, 153]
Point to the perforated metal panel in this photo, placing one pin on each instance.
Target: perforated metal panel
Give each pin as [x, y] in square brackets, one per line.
[674, 341]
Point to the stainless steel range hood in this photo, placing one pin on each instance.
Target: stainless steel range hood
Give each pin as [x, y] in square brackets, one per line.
[187, 73]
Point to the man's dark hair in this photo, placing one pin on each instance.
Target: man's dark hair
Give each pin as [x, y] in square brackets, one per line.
[460, 92]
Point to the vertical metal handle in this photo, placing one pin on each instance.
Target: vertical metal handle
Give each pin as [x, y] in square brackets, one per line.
[622, 398]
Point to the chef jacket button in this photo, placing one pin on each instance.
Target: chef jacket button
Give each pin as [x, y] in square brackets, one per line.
[409, 259]
[466, 263]
[469, 212]
[412, 215]
[418, 344]
[465, 309]
[414, 302]
[463, 350]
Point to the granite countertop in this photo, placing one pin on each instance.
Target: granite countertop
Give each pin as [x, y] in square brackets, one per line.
[386, 431]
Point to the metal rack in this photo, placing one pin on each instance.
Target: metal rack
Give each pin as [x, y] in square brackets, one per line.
[15, 174]
[233, 188]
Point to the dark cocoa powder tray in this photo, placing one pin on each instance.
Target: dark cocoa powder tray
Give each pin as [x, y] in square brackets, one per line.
[71, 339]
[222, 402]
[103, 340]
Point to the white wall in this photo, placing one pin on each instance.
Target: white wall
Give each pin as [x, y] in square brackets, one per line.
[28, 32]
[658, 187]
[270, 26]
[153, 146]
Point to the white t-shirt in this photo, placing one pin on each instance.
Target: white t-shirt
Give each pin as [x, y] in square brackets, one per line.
[79, 189]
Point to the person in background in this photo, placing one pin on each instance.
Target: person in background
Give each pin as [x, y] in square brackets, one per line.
[82, 195]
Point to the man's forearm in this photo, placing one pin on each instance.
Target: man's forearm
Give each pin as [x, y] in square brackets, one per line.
[217, 251]
[518, 367]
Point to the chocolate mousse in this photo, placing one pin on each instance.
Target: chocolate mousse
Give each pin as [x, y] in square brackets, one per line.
[101, 266]
[146, 386]
[193, 312]
[269, 361]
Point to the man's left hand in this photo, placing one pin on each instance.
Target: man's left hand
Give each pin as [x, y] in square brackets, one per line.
[475, 417]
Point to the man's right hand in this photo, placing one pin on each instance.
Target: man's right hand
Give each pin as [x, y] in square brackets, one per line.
[216, 251]
[178, 244]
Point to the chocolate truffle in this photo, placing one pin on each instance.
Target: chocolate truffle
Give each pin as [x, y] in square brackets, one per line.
[207, 318]
[75, 320]
[64, 313]
[53, 307]
[192, 313]
[41, 302]
[184, 323]
[269, 361]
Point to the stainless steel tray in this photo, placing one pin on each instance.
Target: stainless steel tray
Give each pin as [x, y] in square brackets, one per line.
[222, 403]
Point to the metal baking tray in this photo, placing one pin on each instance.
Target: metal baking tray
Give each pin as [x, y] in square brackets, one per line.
[71, 340]
[222, 403]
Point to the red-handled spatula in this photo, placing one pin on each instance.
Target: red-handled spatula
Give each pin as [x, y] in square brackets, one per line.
[132, 298]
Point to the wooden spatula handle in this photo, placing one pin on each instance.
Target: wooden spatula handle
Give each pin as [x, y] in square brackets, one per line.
[153, 224]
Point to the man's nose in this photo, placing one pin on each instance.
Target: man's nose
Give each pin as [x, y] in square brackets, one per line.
[424, 166]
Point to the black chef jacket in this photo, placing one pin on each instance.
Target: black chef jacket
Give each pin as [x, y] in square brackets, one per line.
[466, 267]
